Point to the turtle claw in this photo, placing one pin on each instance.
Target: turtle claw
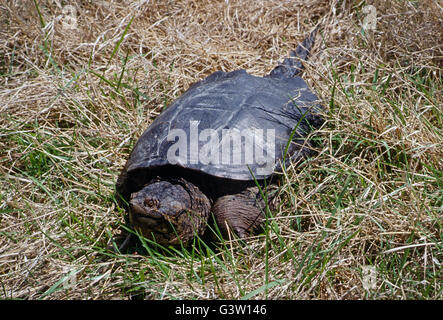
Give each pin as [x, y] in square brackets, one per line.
[120, 243]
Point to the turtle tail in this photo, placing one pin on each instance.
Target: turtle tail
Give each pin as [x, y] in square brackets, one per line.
[292, 66]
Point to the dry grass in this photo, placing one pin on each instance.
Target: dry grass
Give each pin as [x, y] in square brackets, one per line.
[73, 102]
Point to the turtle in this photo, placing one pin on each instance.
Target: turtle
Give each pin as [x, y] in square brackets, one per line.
[210, 152]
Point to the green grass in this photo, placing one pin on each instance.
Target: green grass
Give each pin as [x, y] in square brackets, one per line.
[371, 197]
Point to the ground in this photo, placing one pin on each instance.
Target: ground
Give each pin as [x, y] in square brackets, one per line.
[81, 80]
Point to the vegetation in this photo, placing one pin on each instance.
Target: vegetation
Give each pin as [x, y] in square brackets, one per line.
[79, 84]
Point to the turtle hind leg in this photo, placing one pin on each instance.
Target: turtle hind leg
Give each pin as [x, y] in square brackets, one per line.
[242, 213]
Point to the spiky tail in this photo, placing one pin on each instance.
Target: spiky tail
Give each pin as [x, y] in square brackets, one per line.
[292, 66]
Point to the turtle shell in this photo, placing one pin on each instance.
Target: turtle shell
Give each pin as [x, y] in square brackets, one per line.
[231, 125]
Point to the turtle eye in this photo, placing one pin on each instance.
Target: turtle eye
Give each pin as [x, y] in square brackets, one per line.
[149, 202]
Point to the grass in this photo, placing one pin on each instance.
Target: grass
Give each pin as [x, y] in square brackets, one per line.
[74, 101]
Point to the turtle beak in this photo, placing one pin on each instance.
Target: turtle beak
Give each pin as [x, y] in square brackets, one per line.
[143, 211]
[148, 220]
[137, 209]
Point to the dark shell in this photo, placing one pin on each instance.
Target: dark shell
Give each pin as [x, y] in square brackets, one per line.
[234, 100]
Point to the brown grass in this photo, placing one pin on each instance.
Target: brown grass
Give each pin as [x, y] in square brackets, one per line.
[373, 195]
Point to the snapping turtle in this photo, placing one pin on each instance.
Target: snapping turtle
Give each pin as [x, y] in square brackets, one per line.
[208, 149]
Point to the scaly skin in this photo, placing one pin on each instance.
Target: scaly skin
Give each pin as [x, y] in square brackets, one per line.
[169, 212]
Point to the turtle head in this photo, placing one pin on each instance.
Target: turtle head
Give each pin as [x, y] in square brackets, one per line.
[167, 212]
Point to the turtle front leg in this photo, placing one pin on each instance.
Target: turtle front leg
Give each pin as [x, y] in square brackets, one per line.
[242, 213]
